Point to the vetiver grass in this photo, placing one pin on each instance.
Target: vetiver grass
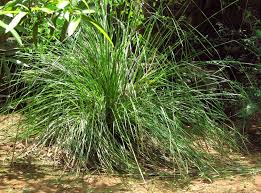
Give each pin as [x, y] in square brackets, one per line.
[126, 108]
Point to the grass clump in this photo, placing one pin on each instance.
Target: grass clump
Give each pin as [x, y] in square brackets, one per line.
[125, 108]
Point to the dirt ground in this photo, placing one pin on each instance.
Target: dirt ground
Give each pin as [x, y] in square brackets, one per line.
[38, 173]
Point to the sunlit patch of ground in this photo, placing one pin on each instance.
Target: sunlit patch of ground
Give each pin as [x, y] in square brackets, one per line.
[38, 172]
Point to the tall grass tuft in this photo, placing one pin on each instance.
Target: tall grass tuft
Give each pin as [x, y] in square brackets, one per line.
[126, 108]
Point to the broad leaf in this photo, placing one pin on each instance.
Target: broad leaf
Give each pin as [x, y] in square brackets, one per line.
[4, 12]
[73, 25]
[13, 32]
[46, 10]
[15, 21]
[62, 4]
[66, 16]
[88, 11]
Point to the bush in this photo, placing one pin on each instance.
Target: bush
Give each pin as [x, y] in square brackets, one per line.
[126, 108]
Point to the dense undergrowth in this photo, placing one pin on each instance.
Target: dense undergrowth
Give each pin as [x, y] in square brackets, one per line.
[142, 104]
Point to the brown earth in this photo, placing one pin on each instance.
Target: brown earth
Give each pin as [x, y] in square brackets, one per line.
[37, 172]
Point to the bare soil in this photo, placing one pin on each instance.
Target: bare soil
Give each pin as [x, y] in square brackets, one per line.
[38, 172]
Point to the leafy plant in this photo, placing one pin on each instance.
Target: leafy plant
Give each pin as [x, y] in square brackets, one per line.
[45, 17]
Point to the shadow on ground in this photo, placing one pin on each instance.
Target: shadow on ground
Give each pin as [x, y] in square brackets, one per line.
[47, 179]
[30, 174]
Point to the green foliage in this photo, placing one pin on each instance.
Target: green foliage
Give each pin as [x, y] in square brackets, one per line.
[127, 11]
[258, 33]
[146, 100]
[125, 108]
[45, 18]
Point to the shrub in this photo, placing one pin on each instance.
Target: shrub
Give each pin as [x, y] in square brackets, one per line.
[45, 18]
[125, 108]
